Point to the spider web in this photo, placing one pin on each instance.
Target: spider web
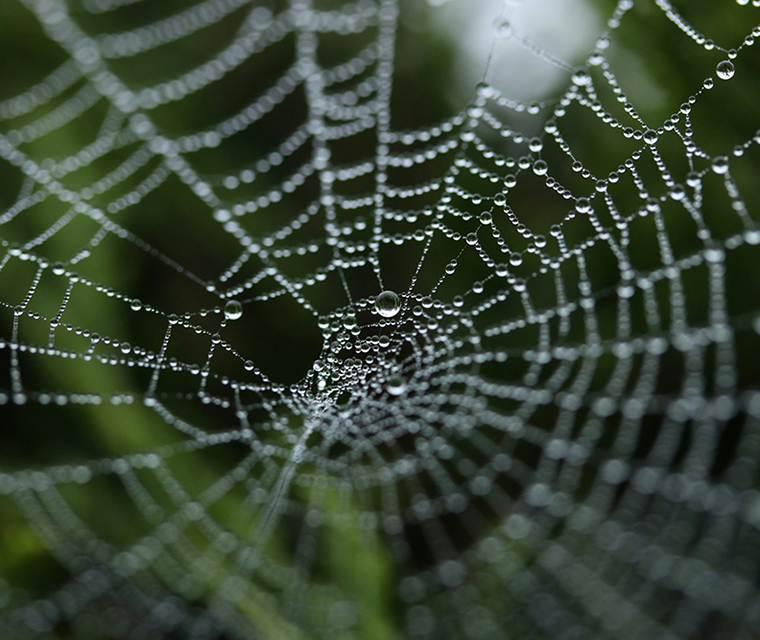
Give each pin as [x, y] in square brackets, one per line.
[214, 428]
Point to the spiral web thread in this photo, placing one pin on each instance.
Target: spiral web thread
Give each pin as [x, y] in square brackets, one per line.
[533, 444]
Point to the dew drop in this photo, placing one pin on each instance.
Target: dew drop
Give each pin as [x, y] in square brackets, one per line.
[349, 321]
[388, 304]
[582, 205]
[651, 136]
[678, 192]
[720, 165]
[540, 167]
[135, 304]
[581, 77]
[233, 310]
[396, 385]
[504, 28]
[725, 70]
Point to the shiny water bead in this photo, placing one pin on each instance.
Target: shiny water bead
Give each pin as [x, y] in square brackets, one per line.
[388, 304]
[582, 205]
[651, 136]
[720, 165]
[396, 385]
[581, 77]
[535, 145]
[540, 168]
[725, 70]
[678, 192]
[233, 310]
[485, 217]
[135, 304]
[349, 321]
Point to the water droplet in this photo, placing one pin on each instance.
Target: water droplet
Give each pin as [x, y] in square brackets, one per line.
[485, 217]
[540, 167]
[388, 304]
[651, 136]
[248, 365]
[135, 305]
[581, 77]
[678, 192]
[233, 310]
[396, 385]
[582, 205]
[349, 321]
[725, 70]
[720, 165]
[504, 28]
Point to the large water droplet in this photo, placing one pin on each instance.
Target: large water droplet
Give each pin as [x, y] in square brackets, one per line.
[725, 70]
[651, 136]
[396, 385]
[233, 310]
[388, 304]
[720, 165]
[582, 205]
[349, 321]
[503, 28]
